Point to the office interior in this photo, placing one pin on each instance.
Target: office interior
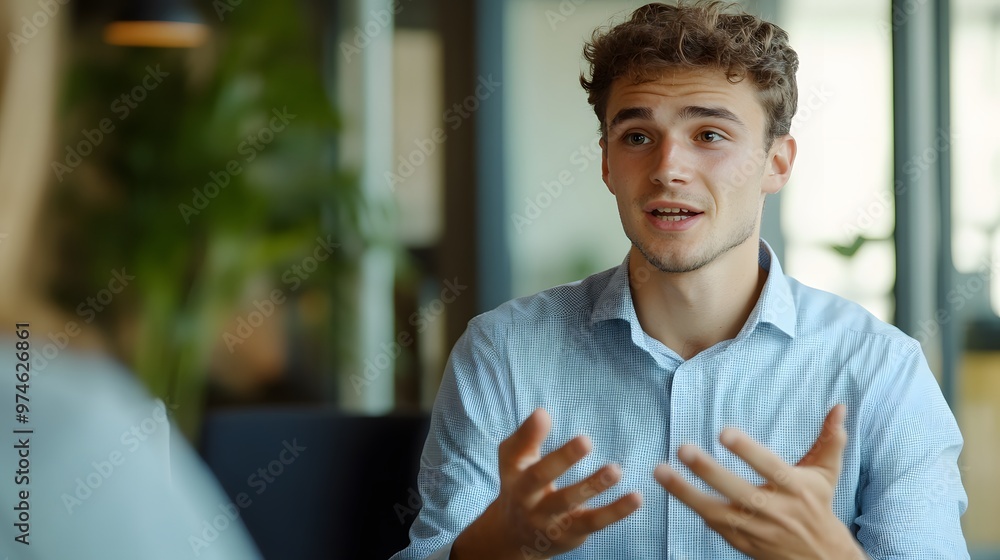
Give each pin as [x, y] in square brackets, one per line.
[282, 215]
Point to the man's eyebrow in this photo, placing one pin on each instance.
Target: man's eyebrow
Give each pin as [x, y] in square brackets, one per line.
[629, 113]
[687, 113]
[699, 112]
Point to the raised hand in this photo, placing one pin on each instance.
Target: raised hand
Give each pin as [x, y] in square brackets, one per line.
[531, 518]
[791, 515]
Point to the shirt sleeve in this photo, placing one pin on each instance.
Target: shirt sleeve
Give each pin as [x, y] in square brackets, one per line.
[458, 468]
[910, 495]
[109, 476]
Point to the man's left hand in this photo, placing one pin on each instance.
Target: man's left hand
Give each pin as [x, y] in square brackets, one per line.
[791, 515]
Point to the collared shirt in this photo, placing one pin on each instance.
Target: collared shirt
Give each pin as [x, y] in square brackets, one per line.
[578, 351]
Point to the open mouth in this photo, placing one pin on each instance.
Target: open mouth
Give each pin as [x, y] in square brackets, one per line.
[673, 214]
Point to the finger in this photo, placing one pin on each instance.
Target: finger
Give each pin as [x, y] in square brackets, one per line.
[593, 520]
[575, 495]
[828, 450]
[706, 468]
[761, 459]
[524, 447]
[544, 472]
[707, 507]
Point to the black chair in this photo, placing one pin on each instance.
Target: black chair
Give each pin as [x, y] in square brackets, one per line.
[315, 484]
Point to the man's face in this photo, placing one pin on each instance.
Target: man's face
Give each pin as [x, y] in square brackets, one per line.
[685, 158]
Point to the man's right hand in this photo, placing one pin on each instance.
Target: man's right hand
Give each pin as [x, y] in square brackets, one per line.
[530, 514]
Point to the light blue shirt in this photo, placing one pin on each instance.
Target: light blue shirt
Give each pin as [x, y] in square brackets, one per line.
[107, 476]
[578, 351]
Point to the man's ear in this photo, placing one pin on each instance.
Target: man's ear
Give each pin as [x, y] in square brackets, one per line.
[778, 167]
[604, 163]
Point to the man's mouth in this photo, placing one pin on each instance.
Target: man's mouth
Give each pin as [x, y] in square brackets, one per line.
[673, 214]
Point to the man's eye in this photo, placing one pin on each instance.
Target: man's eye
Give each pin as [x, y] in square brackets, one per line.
[710, 136]
[636, 139]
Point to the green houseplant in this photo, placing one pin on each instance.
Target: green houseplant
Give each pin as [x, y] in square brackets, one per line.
[200, 172]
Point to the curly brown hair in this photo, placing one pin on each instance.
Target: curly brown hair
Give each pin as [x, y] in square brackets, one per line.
[700, 35]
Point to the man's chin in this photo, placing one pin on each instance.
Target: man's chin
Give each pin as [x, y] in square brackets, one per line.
[673, 261]
[675, 266]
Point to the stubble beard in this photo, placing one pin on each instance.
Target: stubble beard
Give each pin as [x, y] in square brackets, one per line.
[676, 265]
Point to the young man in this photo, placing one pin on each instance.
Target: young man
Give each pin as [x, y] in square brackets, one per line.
[693, 402]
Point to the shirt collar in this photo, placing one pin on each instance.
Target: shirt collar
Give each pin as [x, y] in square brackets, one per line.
[775, 304]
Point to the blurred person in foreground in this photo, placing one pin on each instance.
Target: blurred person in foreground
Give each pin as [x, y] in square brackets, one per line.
[96, 471]
[693, 402]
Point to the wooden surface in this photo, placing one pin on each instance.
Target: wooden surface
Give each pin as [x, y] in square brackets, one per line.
[979, 420]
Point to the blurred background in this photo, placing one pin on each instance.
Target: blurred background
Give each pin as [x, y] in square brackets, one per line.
[281, 215]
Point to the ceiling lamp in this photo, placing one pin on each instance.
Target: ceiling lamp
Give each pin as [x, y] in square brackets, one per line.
[157, 23]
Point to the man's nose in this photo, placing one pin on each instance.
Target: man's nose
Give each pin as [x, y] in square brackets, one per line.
[672, 165]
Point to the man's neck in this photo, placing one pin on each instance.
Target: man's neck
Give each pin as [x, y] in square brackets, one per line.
[692, 311]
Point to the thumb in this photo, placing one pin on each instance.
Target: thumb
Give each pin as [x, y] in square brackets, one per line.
[828, 450]
[524, 447]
